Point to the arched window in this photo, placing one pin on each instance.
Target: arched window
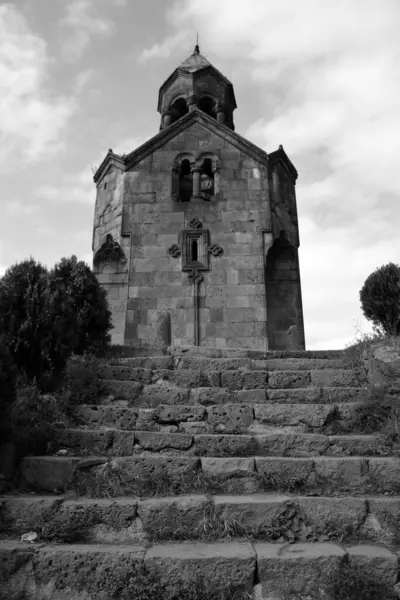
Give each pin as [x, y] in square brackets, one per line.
[178, 109]
[207, 105]
[207, 188]
[185, 181]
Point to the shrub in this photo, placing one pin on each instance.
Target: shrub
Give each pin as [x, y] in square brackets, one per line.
[81, 380]
[33, 416]
[85, 319]
[380, 298]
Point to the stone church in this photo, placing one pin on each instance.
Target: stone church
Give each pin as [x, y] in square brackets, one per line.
[195, 233]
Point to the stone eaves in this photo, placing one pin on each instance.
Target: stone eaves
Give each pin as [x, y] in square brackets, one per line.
[127, 161]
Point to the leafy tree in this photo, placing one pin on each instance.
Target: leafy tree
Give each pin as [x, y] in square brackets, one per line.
[380, 298]
[8, 376]
[84, 319]
[47, 316]
[25, 319]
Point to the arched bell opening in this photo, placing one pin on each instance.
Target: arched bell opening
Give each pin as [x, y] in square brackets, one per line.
[178, 109]
[185, 181]
[207, 105]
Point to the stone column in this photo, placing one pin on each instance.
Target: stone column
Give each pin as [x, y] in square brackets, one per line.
[192, 103]
[196, 182]
[167, 119]
[220, 114]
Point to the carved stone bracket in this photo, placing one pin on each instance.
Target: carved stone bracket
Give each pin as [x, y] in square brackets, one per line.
[215, 250]
[195, 276]
[195, 224]
[109, 251]
[174, 251]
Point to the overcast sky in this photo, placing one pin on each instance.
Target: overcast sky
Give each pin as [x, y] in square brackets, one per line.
[321, 78]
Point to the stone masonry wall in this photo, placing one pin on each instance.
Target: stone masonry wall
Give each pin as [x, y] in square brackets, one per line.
[113, 276]
[232, 295]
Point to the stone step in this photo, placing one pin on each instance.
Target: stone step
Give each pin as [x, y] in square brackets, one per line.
[116, 442]
[236, 379]
[231, 364]
[222, 418]
[94, 571]
[272, 364]
[265, 517]
[251, 353]
[159, 474]
[136, 393]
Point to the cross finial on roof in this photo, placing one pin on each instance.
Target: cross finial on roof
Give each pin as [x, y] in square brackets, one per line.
[196, 48]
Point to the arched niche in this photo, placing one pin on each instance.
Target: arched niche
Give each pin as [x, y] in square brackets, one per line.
[283, 294]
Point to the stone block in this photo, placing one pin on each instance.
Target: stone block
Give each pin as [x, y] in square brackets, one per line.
[165, 414]
[157, 441]
[224, 445]
[285, 472]
[291, 444]
[255, 513]
[144, 467]
[288, 379]
[325, 514]
[123, 443]
[214, 566]
[297, 416]
[300, 568]
[335, 378]
[160, 394]
[185, 512]
[256, 396]
[358, 445]
[379, 563]
[80, 441]
[209, 396]
[345, 473]
[230, 418]
[227, 467]
[27, 512]
[385, 472]
[304, 395]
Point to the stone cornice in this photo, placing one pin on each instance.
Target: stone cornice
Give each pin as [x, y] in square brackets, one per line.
[281, 156]
[110, 159]
[196, 116]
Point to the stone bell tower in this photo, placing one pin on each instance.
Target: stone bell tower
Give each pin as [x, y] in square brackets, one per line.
[195, 232]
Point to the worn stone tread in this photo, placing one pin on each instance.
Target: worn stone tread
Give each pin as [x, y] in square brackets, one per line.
[235, 379]
[264, 516]
[282, 568]
[139, 394]
[245, 474]
[117, 442]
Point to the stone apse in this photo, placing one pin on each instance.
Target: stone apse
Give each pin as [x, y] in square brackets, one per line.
[195, 232]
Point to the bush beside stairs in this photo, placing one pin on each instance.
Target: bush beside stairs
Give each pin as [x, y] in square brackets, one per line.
[205, 474]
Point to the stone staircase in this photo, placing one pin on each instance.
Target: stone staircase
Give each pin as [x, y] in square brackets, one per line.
[219, 468]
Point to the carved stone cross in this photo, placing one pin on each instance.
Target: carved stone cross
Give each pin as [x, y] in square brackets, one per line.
[195, 249]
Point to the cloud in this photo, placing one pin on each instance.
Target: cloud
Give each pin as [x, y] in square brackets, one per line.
[167, 47]
[75, 188]
[15, 208]
[32, 118]
[83, 21]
